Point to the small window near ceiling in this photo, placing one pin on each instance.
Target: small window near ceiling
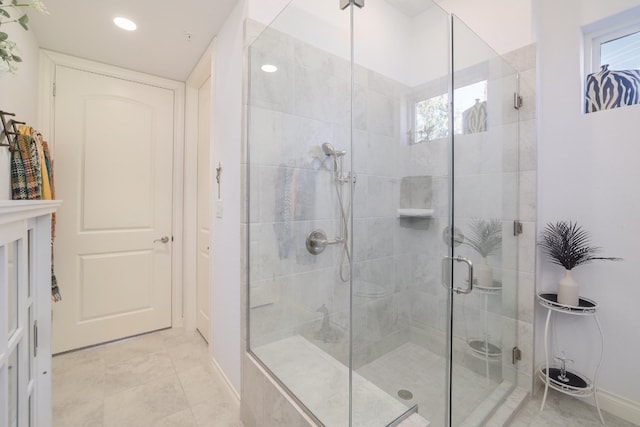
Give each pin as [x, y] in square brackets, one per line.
[431, 119]
[431, 116]
[622, 53]
[612, 62]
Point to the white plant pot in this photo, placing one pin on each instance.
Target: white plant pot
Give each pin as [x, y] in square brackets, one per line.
[568, 290]
[484, 274]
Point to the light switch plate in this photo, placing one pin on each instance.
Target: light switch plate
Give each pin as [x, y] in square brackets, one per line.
[218, 208]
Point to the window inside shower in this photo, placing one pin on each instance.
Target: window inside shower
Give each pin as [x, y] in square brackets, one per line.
[430, 116]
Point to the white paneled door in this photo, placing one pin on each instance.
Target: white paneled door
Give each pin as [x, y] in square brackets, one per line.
[203, 291]
[113, 163]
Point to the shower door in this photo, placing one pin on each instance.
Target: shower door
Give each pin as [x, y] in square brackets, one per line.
[484, 206]
[435, 143]
[382, 143]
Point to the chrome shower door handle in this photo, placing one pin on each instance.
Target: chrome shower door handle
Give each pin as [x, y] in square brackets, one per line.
[469, 288]
[448, 280]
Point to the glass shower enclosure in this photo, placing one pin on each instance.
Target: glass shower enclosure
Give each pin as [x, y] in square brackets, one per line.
[382, 194]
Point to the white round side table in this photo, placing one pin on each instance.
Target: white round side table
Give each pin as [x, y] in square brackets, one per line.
[558, 377]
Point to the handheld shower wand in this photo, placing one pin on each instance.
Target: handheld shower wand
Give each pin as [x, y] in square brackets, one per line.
[340, 179]
[328, 150]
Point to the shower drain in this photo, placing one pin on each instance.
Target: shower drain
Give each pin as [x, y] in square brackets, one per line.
[405, 394]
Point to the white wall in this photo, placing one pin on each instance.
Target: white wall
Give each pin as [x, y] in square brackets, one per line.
[588, 172]
[265, 11]
[505, 25]
[19, 93]
[227, 135]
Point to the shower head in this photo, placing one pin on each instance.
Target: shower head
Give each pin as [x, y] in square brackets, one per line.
[328, 150]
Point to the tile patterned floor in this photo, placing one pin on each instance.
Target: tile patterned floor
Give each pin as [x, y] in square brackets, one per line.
[162, 379]
[563, 411]
[165, 379]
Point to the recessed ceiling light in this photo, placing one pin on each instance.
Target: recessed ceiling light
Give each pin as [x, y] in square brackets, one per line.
[268, 68]
[124, 23]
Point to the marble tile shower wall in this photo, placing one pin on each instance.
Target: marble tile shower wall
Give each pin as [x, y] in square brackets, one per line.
[495, 178]
[292, 113]
[397, 297]
[480, 188]
[487, 188]
[382, 258]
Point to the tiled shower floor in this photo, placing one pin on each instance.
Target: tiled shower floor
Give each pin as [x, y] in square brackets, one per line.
[322, 383]
[414, 368]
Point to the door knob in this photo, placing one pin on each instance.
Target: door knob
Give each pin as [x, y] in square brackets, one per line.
[163, 239]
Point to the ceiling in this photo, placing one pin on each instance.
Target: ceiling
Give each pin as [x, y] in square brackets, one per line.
[160, 46]
[411, 8]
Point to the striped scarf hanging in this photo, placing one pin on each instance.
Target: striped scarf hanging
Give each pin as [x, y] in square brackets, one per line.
[32, 179]
[26, 172]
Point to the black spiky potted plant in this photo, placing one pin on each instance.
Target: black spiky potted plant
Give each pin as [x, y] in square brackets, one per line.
[485, 237]
[567, 244]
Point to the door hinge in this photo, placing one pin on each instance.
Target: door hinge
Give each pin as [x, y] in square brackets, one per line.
[346, 3]
[516, 355]
[517, 101]
[54, 89]
[517, 228]
[35, 338]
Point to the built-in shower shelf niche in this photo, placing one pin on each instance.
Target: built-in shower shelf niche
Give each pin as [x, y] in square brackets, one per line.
[415, 213]
[415, 197]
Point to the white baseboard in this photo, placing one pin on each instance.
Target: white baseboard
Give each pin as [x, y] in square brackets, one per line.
[230, 386]
[619, 406]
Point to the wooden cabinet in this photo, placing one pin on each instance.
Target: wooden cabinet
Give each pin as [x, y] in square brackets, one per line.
[25, 313]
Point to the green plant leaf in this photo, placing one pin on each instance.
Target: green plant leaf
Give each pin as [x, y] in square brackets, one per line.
[23, 20]
[4, 13]
[3, 36]
[16, 58]
[567, 244]
[485, 236]
[14, 2]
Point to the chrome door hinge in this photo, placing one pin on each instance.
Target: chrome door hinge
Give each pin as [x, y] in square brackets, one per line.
[516, 355]
[345, 3]
[54, 89]
[35, 338]
[517, 228]
[517, 101]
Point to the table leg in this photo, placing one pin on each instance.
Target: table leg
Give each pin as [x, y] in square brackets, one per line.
[546, 358]
[486, 336]
[595, 377]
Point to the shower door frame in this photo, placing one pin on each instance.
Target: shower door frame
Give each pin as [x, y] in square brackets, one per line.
[449, 401]
[452, 291]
